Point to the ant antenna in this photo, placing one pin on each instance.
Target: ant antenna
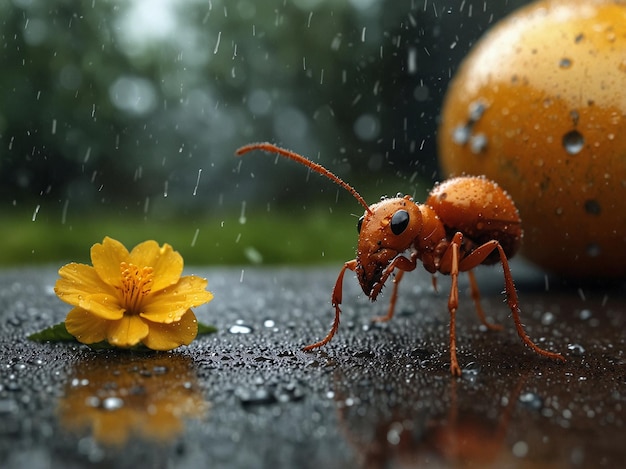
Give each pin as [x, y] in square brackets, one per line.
[270, 147]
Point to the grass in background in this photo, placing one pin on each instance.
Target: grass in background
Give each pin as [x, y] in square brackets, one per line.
[275, 237]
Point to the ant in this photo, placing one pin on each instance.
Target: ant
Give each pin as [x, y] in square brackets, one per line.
[466, 221]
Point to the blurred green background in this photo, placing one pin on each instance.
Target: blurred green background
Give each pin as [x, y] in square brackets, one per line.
[120, 118]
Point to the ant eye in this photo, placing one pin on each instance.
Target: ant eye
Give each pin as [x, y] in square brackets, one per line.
[399, 221]
[359, 224]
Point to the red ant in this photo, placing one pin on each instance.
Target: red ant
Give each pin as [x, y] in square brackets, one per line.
[465, 222]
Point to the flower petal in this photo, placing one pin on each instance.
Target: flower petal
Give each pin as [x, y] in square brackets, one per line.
[170, 336]
[78, 281]
[167, 306]
[103, 305]
[86, 327]
[166, 263]
[106, 259]
[127, 332]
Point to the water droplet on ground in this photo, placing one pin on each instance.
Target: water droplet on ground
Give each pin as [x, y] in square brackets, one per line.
[240, 328]
[548, 318]
[520, 449]
[531, 401]
[576, 349]
[112, 403]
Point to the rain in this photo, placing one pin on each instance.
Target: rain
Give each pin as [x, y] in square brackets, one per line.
[122, 120]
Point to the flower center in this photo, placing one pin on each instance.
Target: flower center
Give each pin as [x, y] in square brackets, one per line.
[136, 285]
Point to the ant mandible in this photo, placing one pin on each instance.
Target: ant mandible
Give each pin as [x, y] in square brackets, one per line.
[465, 222]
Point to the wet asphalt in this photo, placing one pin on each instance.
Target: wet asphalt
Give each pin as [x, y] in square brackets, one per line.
[376, 396]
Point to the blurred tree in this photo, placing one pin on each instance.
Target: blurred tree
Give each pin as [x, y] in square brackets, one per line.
[131, 104]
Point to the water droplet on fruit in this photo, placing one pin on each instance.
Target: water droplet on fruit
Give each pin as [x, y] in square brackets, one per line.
[461, 135]
[573, 142]
[592, 207]
[565, 62]
[478, 143]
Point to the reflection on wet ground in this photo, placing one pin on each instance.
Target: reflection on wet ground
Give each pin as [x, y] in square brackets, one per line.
[115, 396]
[377, 396]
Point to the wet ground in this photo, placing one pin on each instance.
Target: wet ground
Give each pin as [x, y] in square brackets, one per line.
[376, 396]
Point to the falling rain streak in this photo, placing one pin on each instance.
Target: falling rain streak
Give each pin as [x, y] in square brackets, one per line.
[36, 212]
[242, 214]
[195, 189]
[217, 44]
[195, 237]
[64, 211]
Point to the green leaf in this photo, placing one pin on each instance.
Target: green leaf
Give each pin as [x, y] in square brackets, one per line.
[56, 333]
[206, 329]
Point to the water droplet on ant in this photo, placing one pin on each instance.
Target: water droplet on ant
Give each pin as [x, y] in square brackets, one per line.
[593, 250]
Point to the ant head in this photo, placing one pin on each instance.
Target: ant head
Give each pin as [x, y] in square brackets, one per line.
[385, 231]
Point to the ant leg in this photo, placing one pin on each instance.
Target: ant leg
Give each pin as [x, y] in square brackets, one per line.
[434, 280]
[336, 301]
[450, 264]
[453, 302]
[479, 309]
[401, 264]
[513, 303]
[394, 297]
[476, 257]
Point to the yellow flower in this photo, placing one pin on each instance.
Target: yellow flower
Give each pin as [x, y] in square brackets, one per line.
[128, 298]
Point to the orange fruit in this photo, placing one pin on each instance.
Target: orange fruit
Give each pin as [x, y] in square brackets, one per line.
[539, 106]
